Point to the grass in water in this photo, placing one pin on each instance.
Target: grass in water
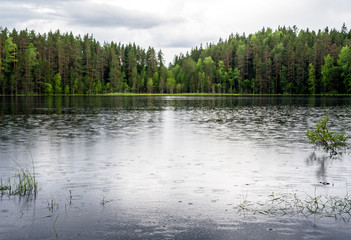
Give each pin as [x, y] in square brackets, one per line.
[53, 206]
[23, 183]
[291, 204]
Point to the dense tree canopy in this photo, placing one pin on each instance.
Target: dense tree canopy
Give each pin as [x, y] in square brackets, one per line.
[56, 63]
[273, 62]
[283, 61]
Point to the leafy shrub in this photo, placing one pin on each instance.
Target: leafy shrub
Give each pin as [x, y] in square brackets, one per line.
[321, 136]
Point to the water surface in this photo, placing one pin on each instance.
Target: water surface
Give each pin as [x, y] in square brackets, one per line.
[167, 167]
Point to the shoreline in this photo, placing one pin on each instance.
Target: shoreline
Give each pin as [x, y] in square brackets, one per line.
[175, 94]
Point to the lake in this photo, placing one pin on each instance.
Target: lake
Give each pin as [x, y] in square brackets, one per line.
[170, 167]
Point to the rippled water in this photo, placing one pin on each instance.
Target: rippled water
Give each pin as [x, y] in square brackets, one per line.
[167, 167]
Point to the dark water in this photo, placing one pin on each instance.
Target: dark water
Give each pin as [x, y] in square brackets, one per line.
[168, 167]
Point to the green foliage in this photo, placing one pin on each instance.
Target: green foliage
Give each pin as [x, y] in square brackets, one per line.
[344, 62]
[67, 89]
[277, 61]
[209, 68]
[237, 79]
[170, 84]
[150, 85]
[48, 88]
[203, 83]
[75, 87]
[285, 85]
[31, 54]
[97, 87]
[327, 73]
[321, 136]
[155, 82]
[3, 84]
[10, 49]
[108, 87]
[246, 85]
[163, 79]
[312, 79]
[57, 84]
[134, 79]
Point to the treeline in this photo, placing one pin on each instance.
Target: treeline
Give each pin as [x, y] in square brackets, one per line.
[56, 63]
[272, 62]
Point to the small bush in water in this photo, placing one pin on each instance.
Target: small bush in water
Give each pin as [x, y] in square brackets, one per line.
[321, 136]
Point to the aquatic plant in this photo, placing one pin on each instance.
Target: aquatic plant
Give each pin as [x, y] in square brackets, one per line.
[292, 204]
[55, 231]
[70, 197]
[321, 136]
[23, 183]
[52, 205]
[5, 185]
[103, 201]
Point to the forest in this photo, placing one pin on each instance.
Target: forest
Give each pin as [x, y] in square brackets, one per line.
[282, 61]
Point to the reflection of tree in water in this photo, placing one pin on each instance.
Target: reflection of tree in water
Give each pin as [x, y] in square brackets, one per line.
[322, 162]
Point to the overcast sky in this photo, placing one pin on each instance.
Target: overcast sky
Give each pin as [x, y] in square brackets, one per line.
[171, 25]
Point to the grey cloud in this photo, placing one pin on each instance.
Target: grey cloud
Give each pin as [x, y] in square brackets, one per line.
[43, 2]
[13, 12]
[179, 43]
[82, 13]
[184, 41]
[104, 15]
[110, 16]
[335, 5]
